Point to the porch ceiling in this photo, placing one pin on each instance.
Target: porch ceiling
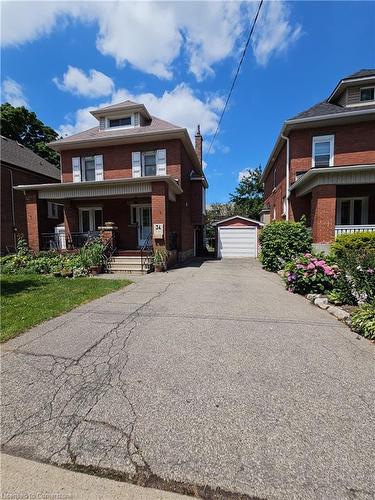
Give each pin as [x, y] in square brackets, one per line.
[353, 174]
[102, 189]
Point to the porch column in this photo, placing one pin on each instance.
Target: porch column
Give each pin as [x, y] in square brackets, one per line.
[159, 204]
[323, 213]
[31, 199]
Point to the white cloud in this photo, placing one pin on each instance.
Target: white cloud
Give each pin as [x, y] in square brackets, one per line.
[274, 32]
[242, 174]
[12, 92]
[179, 106]
[151, 35]
[95, 84]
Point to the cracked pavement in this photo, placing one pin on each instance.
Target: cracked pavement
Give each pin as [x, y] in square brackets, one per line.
[209, 375]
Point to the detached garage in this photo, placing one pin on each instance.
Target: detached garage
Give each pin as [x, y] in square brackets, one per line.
[237, 237]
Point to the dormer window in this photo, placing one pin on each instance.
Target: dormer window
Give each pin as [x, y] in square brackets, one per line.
[367, 94]
[120, 122]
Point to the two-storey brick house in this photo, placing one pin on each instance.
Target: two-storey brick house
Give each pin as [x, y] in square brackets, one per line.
[323, 163]
[134, 170]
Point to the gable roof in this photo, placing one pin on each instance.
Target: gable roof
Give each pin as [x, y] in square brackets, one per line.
[18, 155]
[217, 223]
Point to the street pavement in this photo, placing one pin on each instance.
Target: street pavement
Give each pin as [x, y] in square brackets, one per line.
[209, 380]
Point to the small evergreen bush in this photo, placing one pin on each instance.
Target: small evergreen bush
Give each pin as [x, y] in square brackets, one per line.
[282, 241]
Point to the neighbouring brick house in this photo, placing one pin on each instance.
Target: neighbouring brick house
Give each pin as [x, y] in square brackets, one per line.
[20, 165]
[323, 163]
[135, 170]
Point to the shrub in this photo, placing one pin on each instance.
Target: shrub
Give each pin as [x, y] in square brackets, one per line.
[309, 274]
[353, 242]
[363, 320]
[282, 241]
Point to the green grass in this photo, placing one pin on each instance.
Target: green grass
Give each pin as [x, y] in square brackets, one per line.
[28, 299]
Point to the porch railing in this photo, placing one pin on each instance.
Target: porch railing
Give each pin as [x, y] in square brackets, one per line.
[58, 241]
[353, 229]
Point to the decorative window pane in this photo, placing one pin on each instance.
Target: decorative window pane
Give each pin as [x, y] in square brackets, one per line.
[367, 94]
[120, 122]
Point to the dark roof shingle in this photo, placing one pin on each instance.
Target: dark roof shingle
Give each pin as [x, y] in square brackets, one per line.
[16, 154]
[156, 125]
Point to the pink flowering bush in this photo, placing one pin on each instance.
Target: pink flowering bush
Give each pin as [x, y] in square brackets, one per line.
[309, 274]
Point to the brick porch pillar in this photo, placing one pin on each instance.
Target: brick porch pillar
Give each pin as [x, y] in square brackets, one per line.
[323, 213]
[31, 199]
[71, 220]
[159, 205]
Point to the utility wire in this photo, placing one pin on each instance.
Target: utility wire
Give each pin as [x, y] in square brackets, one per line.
[236, 75]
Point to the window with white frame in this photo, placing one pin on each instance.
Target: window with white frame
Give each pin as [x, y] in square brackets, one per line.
[53, 210]
[367, 94]
[352, 211]
[120, 122]
[90, 219]
[88, 168]
[149, 163]
[323, 151]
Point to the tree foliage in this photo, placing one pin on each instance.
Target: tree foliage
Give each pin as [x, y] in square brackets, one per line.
[23, 126]
[248, 195]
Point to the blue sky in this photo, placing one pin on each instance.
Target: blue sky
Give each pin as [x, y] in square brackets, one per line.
[63, 58]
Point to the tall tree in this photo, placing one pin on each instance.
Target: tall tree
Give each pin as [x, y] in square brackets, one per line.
[23, 126]
[248, 195]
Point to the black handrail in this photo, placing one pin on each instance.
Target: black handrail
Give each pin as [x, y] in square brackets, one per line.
[146, 247]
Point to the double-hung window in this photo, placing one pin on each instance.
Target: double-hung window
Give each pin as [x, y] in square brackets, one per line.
[149, 163]
[88, 168]
[323, 151]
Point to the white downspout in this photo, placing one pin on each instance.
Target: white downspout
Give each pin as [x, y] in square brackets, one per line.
[286, 177]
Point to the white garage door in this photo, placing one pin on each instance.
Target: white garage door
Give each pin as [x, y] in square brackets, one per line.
[237, 242]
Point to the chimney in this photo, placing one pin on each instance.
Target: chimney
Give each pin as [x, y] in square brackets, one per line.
[199, 144]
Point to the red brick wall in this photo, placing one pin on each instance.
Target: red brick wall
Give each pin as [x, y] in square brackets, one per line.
[323, 213]
[354, 144]
[117, 160]
[21, 177]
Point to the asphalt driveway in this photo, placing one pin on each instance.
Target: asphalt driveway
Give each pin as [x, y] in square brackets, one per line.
[211, 375]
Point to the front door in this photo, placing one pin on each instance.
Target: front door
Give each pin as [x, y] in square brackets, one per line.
[143, 223]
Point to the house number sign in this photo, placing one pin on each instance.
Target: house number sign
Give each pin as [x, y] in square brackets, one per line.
[158, 231]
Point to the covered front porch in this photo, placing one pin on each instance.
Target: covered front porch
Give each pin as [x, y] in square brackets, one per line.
[337, 200]
[133, 213]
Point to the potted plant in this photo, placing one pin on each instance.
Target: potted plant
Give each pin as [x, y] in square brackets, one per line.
[160, 259]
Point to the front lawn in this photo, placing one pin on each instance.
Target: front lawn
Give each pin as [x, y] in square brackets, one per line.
[28, 299]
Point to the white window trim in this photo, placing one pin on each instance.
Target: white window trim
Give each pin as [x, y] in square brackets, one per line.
[324, 138]
[120, 127]
[91, 216]
[51, 214]
[143, 154]
[364, 215]
[370, 101]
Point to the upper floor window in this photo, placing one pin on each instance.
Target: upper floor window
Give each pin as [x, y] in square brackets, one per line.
[88, 168]
[149, 163]
[120, 122]
[323, 150]
[367, 94]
